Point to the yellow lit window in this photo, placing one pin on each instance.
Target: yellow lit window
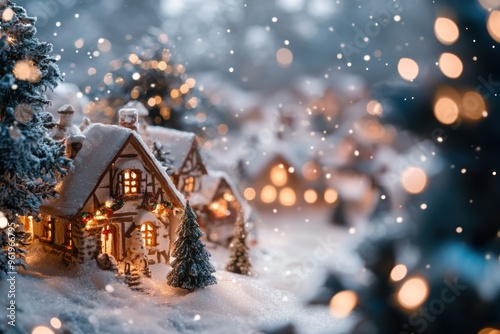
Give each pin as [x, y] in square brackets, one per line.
[131, 182]
[67, 235]
[189, 184]
[149, 234]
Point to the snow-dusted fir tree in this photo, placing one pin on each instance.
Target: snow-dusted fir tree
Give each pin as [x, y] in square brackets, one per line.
[29, 159]
[137, 249]
[191, 268]
[239, 262]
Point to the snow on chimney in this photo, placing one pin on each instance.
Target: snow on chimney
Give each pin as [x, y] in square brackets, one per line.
[128, 118]
[65, 121]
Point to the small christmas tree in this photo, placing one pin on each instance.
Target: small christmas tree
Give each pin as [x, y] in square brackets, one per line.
[239, 262]
[30, 160]
[191, 268]
[137, 249]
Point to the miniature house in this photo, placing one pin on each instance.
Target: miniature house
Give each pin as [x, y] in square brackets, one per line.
[284, 175]
[187, 165]
[218, 206]
[117, 187]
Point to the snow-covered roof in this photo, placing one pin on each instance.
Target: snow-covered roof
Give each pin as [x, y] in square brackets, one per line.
[141, 109]
[102, 145]
[179, 143]
[293, 152]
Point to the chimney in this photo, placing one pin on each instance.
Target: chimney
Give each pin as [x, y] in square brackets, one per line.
[65, 121]
[74, 144]
[128, 118]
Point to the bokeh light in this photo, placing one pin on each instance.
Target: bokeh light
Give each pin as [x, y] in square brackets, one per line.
[414, 180]
[450, 65]
[268, 194]
[287, 197]
[249, 194]
[473, 106]
[42, 330]
[398, 272]
[310, 196]
[408, 69]
[446, 30]
[493, 25]
[278, 175]
[284, 57]
[343, 303]
[331, 196]
[413, 293]
[446, 110]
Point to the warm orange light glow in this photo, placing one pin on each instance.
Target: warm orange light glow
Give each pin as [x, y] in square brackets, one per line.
[446, 110]
[490, 4]
[374, 108]
[331, 196]
[310, 171]
[473, 106]
[42, 330]
[7, 14]
[56, 323]
[268, 194]
[287, 197]
[278, 175]
[446, 30]
[408, 69]
[398, 272]
[450, 65]
[249, 194]
[284, 57]
[343, 303]
[414, 180]
[413, 293]
[26, 71]
[310, 196]
[489, 330]
[493, 25]
[228, 197]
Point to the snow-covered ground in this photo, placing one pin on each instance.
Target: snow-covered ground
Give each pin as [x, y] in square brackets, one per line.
[293, 247]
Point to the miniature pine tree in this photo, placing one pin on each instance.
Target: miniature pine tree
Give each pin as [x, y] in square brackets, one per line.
[239, 262]
[138, 251]
[30, 161]
[191, 268]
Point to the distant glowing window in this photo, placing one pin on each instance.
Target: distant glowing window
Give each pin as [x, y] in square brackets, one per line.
[268, 194]
[131, 182]
[189, 184]
[287, 197]
[149, 234]
[278, 175]
[67, 235]
[48, 229]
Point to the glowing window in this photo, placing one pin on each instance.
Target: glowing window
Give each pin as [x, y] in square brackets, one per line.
[278, 175]
[287, 197]
[67, 235]
[131, 182]
[149, 234]
[48, 229]
[189, 184]
[268, 194]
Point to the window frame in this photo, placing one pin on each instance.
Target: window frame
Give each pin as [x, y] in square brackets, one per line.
[48, 229]
[148, 230]
[127, 182]
[68, 235]
[189, 184]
